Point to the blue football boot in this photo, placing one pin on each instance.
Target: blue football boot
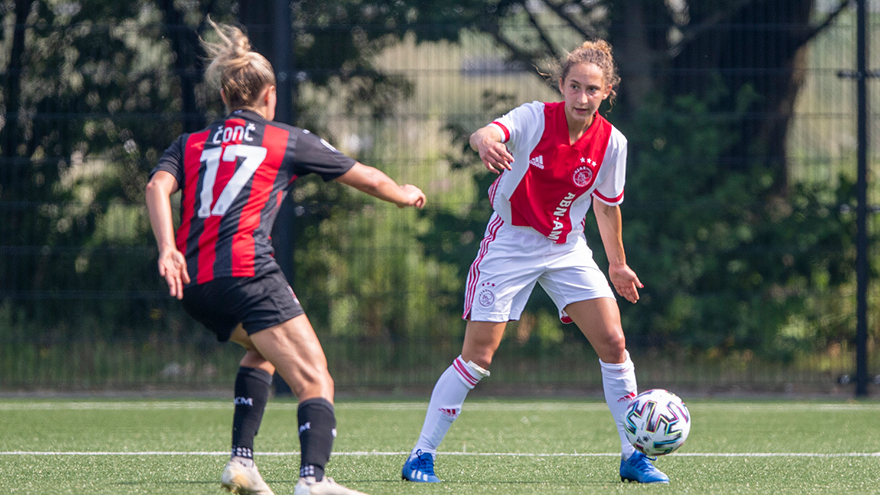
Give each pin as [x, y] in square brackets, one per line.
[638, 468]
[420, 468]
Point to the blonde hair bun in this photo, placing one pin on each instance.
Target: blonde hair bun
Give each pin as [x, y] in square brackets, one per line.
[235, 68]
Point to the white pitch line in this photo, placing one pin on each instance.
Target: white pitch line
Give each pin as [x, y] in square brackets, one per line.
[487, 406]
[476, 454]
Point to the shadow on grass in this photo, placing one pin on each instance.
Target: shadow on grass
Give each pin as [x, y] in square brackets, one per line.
[386, 482]
[488, 482]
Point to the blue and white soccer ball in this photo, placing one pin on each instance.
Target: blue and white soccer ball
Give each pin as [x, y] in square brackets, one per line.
[657, 422]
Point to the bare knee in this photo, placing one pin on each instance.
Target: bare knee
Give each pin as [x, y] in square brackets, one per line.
[482, 357]
[612, 350]
[253, 359]
[294, 349]
[481, 340]
[479, 351]
[314, 382]
[309, 378]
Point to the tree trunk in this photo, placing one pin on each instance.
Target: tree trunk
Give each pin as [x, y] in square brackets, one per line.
[633, 53]
[185, 43]
[11, 129]
[757, 49]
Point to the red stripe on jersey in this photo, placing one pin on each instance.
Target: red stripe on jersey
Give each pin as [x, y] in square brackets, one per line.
[494, 188]
[608, 200]
[543, 198]
[474, 272]
[504, 130]
[208, 249]
[275, 142]
[211, 228]
[191, 165]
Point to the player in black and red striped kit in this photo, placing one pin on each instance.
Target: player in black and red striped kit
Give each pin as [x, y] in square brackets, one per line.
[240, 168]
[234, 175]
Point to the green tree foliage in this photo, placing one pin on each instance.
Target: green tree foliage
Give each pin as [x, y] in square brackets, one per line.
[733, 257]
[728, 264]
[82, 75]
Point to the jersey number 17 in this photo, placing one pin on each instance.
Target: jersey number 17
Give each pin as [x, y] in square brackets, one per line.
[253, 157]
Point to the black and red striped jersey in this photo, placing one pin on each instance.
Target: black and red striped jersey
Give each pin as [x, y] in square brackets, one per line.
[233, 176]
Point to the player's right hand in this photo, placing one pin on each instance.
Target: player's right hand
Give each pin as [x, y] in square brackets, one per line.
[172, 266]
[495, 156]
[415, 196]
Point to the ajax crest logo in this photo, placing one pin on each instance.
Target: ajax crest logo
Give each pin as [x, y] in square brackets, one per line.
[583, 175]
[486, 296]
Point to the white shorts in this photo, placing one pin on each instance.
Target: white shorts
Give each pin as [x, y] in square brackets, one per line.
[510, 261]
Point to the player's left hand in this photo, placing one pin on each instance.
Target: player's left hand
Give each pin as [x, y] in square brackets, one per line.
[625, 282]
[172, 266]
[496, 157]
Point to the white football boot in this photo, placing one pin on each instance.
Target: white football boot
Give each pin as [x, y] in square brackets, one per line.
[244, 480]
[308, 486]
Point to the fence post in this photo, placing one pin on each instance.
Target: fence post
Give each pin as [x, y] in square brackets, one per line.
[274, 39]
[861, 76]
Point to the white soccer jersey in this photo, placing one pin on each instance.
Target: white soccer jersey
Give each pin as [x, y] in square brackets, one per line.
[552, 181]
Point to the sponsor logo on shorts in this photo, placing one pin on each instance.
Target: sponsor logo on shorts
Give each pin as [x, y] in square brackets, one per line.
[292, 295]
[486, 296]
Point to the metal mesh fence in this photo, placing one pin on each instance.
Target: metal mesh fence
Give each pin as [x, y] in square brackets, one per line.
[89, 107]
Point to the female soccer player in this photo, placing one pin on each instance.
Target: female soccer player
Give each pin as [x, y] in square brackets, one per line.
[234, 175]
[553, 160]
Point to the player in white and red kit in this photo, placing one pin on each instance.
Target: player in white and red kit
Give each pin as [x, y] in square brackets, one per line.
[555, 161]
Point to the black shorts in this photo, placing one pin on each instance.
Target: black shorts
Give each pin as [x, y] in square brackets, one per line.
[258, 303]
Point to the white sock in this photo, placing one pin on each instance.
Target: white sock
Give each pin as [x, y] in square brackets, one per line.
[619, 382]
[446, 401]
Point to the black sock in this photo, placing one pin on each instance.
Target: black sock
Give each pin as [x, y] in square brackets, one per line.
[251, 395]
[317, 429]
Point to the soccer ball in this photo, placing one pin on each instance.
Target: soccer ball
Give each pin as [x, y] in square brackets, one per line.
[657, 422]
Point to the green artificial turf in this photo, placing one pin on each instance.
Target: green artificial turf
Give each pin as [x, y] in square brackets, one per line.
[522, 446]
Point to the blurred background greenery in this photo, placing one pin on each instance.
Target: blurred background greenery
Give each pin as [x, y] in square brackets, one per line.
[739, 215]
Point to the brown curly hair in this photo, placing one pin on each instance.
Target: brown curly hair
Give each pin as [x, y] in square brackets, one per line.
[594, 52]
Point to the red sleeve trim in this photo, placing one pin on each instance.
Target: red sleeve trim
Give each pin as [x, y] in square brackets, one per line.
[503, 130]
[609, 200]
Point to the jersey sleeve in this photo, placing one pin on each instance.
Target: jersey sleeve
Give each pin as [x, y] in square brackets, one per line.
[172, 161]
[518, 124]
[313, 155]
[610, 188]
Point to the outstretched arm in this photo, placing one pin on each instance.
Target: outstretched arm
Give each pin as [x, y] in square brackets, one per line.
[172, 263]
[487, 142]
[375, 183]
[624, 280]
